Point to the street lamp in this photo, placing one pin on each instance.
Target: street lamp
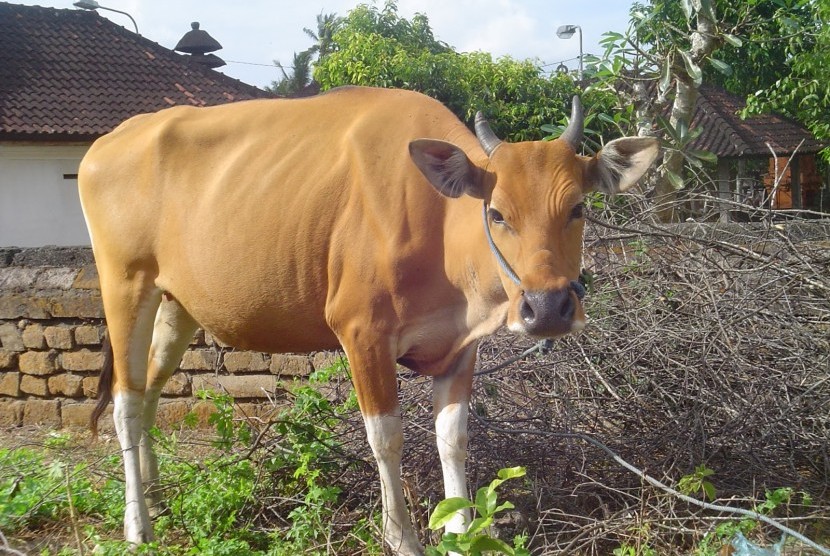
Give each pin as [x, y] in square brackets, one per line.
[94, 5]
[566, 32]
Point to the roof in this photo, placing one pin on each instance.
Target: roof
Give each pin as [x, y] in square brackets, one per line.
[728, 136]
[74, 75]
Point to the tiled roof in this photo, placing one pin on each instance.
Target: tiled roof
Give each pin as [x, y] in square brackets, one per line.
[728, 136]
[72, 74]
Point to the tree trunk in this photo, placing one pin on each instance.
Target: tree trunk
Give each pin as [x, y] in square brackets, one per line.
[704, 41]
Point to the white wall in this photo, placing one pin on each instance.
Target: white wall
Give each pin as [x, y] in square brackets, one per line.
[38, 204]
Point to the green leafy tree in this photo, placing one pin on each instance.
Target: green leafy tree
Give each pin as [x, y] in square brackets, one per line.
[801, 90]
[376, 47]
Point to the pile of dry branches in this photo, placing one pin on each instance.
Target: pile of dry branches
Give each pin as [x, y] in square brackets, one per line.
[708, 344]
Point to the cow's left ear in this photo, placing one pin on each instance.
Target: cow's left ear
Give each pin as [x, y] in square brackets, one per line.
[447, 168]
[620, 164]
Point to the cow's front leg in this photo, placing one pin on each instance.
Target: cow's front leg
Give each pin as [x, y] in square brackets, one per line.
[451, 397]
[375, 379]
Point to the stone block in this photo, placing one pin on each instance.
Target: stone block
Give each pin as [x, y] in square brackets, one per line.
[245, 361]
[58, 337]
[56, 278]
[34, 385]
[240, 387]
[10, 384]
[89, 335]
[8, 359]
[33, 337]
[77, 415]
[76, 304]
[18, 277]
[212, 340]
[66, 384]
[82, 360]
[11, 337]
[38, 362]
[172, 412]
[90, 386]
[203, 410]
[198, 360]
[42, 412]
[17, 305]
[178, 385]
[87, 279]
[291, 365]
[325, 359]
[11, 413]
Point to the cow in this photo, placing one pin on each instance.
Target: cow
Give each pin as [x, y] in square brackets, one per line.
[358, 219]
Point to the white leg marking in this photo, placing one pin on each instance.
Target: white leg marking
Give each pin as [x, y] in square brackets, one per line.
[385, 433]
[451, 437]
[127, 414]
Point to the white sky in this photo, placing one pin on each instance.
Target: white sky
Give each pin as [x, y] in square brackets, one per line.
[257, 32]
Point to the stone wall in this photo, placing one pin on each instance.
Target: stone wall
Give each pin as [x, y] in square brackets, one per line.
[51, 329]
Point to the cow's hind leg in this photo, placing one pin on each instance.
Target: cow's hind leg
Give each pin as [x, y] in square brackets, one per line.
[130, 304]
[172, 332]
[375, 380]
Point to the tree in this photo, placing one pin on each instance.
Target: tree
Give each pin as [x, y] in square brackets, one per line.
[377, 47]
[671, 47]
[300, 75]
[801, 90]
[323, 38]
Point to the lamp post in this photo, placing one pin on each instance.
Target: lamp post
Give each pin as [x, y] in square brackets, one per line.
[566, 32]
[94, 5]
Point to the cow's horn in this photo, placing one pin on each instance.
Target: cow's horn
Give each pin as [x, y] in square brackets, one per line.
[573, 133]
[485, 134]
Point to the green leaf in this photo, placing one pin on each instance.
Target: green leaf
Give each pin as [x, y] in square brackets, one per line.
[692, 68]
[665, 76]
[733, 40]
[479, 524]
[709, 490]
[512, 473]
[485, 501]
[445, 510]
[489, 544]
[675, 180]
[712, 158]
[721, 66]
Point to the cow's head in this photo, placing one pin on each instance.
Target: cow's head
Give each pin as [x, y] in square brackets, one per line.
[533, 193]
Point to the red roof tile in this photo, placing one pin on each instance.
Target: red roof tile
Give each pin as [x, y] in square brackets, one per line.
[727, 135]
[73, 74]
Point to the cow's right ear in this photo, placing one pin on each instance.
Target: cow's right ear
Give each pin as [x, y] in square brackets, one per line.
[447, 168]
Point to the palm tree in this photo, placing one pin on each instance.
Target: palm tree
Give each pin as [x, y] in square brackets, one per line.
[327, 26]
[300, 76]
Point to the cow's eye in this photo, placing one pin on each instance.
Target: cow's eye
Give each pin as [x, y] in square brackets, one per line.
[578, 211]
[495, 216]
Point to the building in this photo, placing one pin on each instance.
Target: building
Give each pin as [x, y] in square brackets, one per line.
[66, 78]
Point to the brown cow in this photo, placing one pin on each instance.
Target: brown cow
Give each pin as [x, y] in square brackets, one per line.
[351, 219]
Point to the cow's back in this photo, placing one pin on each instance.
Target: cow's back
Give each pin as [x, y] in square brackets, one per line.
[261, 216]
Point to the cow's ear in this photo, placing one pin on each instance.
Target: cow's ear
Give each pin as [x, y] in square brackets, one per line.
[620, 164]
[447, 168]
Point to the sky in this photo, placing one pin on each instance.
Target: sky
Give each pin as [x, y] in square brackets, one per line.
[255, 33]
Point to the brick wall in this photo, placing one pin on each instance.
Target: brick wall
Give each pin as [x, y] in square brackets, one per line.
[51, 326]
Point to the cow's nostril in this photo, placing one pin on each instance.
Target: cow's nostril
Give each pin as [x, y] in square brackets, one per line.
[568, 307]
[547, 312]
[526, 311]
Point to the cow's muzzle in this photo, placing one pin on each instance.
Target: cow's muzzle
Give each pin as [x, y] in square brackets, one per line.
[548, 313]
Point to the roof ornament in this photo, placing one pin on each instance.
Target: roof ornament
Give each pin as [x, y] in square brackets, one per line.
[199, 44]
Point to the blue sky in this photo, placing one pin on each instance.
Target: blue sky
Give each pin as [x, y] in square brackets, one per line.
[254, 33]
